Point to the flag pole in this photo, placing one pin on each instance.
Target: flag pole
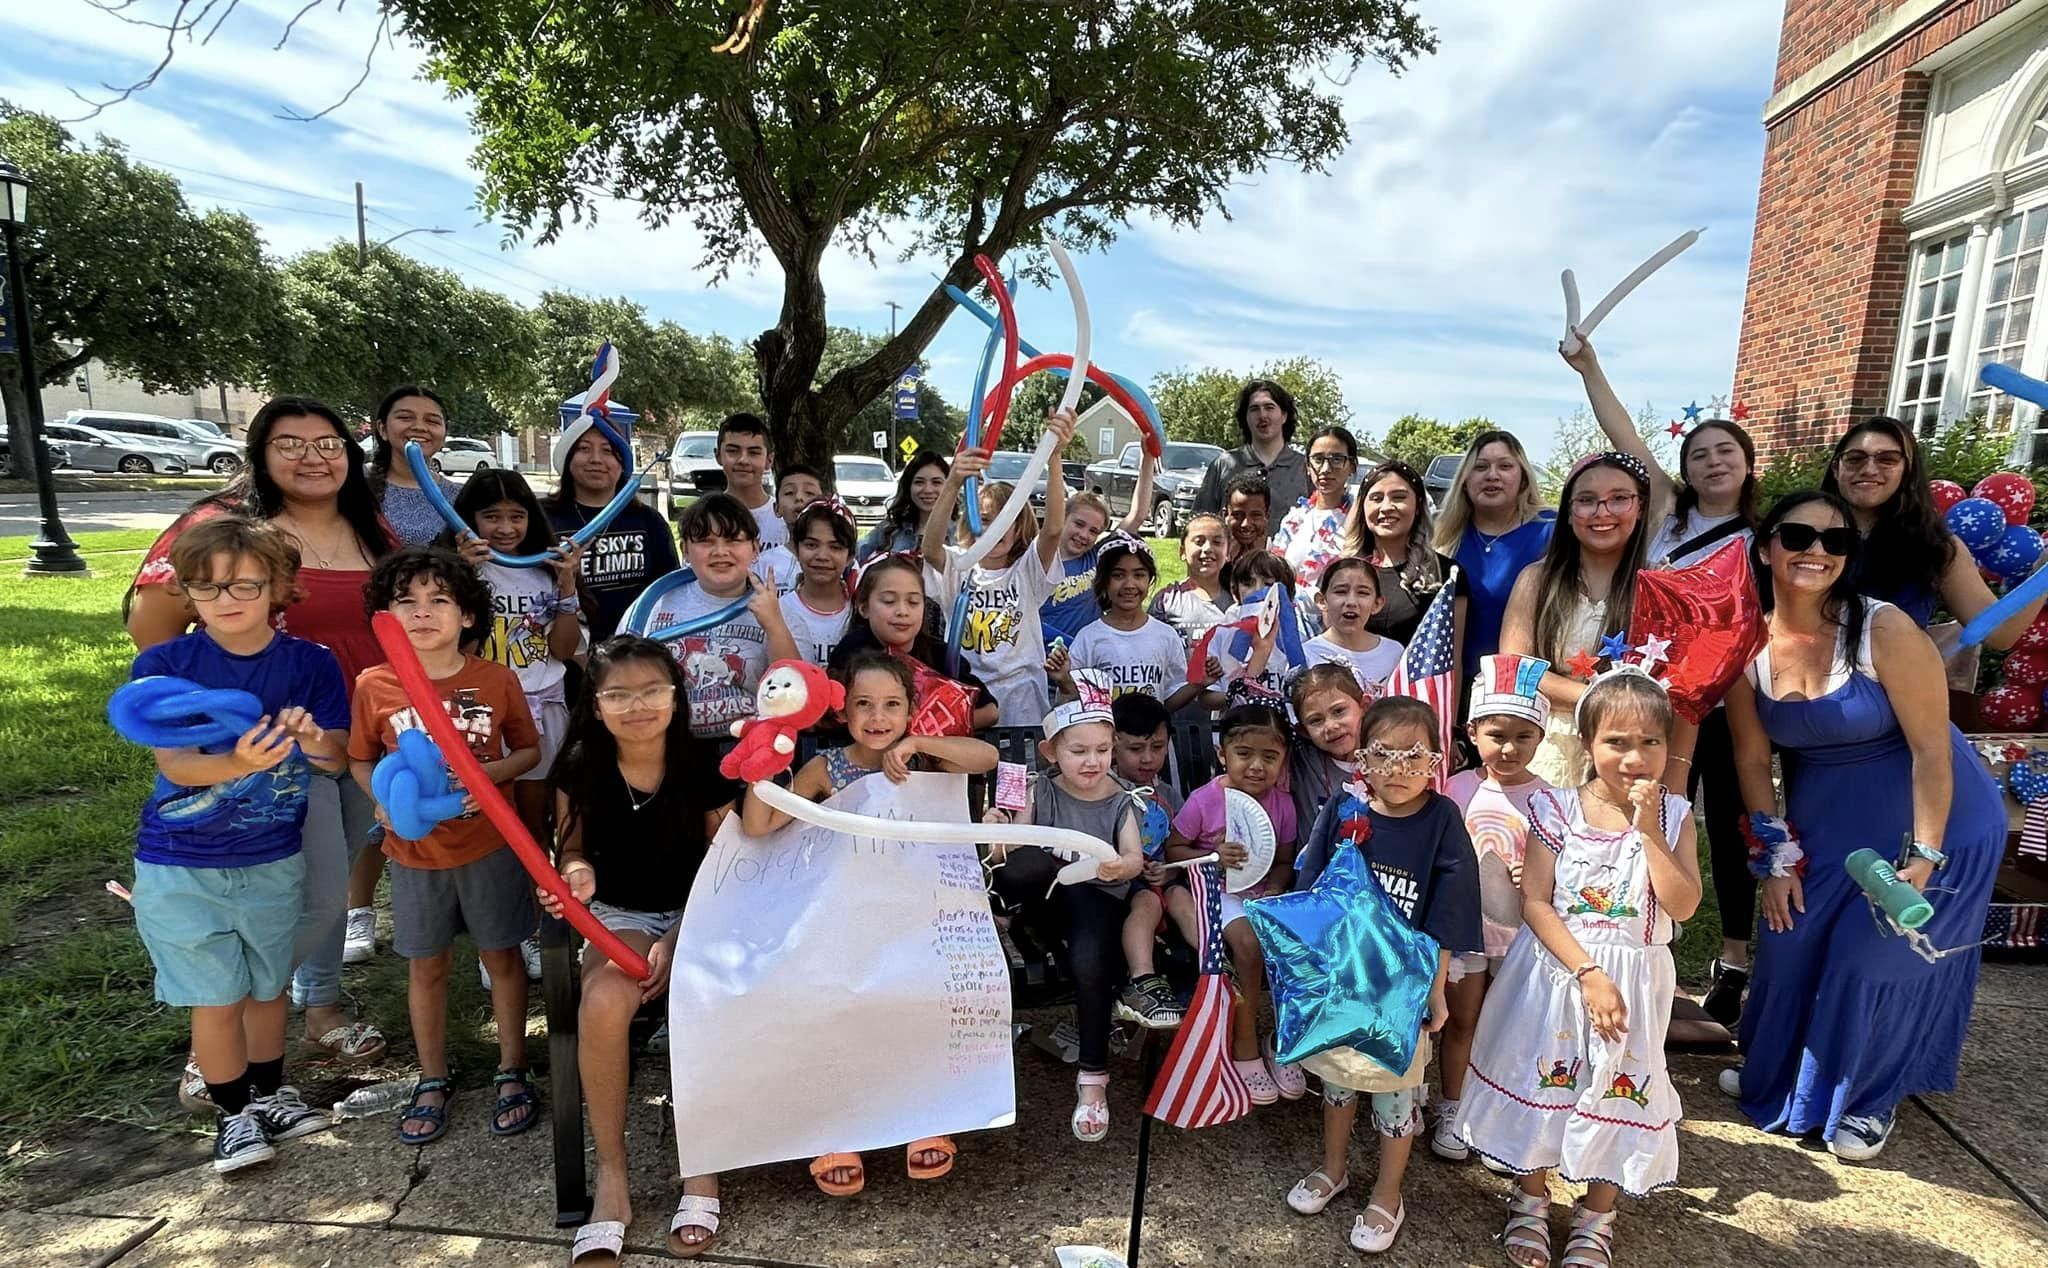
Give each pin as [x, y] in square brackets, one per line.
[1152, 1059]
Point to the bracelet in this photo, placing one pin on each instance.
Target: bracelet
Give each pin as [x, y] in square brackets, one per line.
[1686, 760]
[1579, 973]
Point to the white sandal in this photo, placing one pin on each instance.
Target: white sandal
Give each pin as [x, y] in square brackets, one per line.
[693, 1211]
[1091, 1121]
[1590, 1244]
[354, 1042]
[1528, 1229]
[1375, 1240]
[1304, 1198]
[599, 1237]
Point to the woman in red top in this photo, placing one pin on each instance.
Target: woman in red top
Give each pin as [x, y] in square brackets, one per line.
[303, 473]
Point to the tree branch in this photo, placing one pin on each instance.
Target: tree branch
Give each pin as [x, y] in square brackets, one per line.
[171, 30]
[58, 371]
[369, 59]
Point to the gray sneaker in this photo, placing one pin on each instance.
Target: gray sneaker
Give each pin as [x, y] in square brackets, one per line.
[1859, 1139]
[359, 942]
[239, 1142]
[285, 1116]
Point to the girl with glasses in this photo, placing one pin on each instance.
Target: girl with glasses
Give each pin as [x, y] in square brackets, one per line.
[636, 805]
[1844, 1020]
[1311, 533]
[1909, 556]
[1580, 591]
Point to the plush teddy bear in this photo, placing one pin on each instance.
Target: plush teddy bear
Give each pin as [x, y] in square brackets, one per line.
[793, 695]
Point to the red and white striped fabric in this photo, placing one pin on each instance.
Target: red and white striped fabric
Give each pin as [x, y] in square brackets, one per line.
[1199, 1086]
[1428, 672]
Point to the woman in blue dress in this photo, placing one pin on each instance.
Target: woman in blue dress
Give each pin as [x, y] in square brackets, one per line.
[1845, 1018]
[1909, 556]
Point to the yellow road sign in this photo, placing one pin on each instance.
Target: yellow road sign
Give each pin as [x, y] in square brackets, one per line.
[908, 445]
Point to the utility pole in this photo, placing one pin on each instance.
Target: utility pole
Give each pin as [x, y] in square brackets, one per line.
[362, 233]
[893, 306]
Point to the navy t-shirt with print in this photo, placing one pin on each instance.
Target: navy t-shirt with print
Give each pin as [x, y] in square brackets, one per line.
[257, 818]
[1424, 861]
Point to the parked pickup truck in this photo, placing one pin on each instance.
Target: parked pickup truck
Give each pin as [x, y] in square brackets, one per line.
[1180, 473]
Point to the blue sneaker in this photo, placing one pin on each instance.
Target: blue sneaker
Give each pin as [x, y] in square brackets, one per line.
[1859, 1139]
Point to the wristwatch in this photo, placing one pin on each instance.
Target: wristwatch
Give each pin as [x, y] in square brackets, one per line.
[1922, 850]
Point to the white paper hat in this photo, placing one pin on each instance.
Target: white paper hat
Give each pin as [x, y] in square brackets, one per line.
[1511, 686]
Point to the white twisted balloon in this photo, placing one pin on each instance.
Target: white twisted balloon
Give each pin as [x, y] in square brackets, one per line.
[1087, 852]
[1020, 496]
[1576, 331]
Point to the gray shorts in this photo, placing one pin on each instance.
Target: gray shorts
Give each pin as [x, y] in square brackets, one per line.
[491, 899]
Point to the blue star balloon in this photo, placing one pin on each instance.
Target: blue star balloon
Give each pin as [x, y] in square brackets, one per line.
[1346, 969]
[1614, 647]
[1692, 412]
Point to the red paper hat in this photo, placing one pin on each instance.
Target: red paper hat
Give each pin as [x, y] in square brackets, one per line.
[1703, 624]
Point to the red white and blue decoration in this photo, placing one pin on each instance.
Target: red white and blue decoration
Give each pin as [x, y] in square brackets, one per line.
[1428, 672]
[1199, 1085]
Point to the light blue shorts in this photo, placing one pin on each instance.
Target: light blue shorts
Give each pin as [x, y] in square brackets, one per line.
[220, 935]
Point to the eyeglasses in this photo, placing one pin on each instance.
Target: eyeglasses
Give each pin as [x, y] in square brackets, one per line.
[295, 447]
[618, 699]
[1882, 459]
[205, 590]
[1324, 461]
[1613, 504]
[1836, 541]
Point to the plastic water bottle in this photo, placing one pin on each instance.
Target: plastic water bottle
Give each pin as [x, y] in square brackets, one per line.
[377, 1098]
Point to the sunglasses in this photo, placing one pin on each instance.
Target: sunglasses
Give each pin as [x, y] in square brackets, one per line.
[1796, 538]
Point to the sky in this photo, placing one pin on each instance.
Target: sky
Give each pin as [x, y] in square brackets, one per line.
[1422, 265]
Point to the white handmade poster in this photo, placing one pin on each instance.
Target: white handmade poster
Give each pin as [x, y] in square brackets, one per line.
[834, 991]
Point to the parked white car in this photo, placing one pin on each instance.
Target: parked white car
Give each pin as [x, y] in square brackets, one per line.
[94, 450]
[693, 464]
[466, 455]
[214, 453]
[865, 484]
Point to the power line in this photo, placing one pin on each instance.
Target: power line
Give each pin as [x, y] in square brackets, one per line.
[238, 180]
[487, 256]
[296, 211]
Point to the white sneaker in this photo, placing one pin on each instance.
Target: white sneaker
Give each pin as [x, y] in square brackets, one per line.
[1859, 1139]
[483, 973]
[360, 942]
[529, 951]
[1444, 1142]
[1730, 1081]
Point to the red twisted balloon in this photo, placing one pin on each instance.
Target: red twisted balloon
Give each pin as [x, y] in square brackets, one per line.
[419, 690]
[1096, 375]
[997, 411]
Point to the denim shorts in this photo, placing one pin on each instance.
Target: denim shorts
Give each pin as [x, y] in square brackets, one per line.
[220, 935]
[655, 924]
[490, 898]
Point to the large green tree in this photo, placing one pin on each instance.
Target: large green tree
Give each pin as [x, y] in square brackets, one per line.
[956, 126]
[674, 379]
[1415, 440]
[1201, 405]
[938, 423]
[121, 269]
[349, 334]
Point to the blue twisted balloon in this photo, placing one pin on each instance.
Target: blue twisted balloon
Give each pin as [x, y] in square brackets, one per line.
[642, 610]
[987, 318]
[161, 711]
[411, 783]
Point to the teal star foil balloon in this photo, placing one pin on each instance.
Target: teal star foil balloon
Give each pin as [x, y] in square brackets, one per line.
[1345, 969]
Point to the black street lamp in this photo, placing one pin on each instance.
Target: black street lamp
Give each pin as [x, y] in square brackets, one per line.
[52, 552]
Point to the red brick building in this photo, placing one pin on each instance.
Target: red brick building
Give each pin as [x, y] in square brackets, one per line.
[1901, 218]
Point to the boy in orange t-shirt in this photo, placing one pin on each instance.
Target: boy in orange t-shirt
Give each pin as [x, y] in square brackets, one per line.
[462, 875]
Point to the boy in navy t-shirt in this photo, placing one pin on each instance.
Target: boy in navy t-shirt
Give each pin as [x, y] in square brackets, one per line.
[219, 878]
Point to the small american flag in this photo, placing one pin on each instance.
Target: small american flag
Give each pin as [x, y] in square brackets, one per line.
[2034, 832]
[1427, 671]
[2015, 925]
[1199, 1086]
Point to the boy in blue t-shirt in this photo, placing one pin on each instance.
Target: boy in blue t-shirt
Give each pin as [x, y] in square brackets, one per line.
[219, 878]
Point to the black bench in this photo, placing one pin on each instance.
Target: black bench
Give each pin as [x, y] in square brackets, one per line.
[1038, 980]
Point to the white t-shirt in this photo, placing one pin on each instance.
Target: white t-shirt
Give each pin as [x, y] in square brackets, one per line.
[773, 531]
[783, 561]
[1371, 668]
[520, 600]
[1673, 533]
[1150, 659]
[816, 633]
[1002, 638]
[721, 666]
[1278, 664]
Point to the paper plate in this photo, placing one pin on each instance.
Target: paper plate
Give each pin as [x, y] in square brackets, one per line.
[1500, 899]
[1245, 822]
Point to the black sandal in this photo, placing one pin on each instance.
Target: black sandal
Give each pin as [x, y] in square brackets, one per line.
[436, 1116]
[510, 1101]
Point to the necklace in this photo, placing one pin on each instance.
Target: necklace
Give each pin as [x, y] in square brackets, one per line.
[321, 558]
[633, 794]
[1488, 543]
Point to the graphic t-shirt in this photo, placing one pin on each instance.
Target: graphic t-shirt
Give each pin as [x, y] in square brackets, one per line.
[1188, 609]
[1001, 637]
[1371, 668]
[1150, 659]
[522, 605]
[816, 633]
[256, 818]
[780, 561]
[773, 531]
[1424, 862]
[721, 666]
[490, 712]
[618, 563]
[1497, 820]
[1202, 820]
[1072, 607]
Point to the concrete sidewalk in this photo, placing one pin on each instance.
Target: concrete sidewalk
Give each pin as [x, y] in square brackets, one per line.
[356, 1196]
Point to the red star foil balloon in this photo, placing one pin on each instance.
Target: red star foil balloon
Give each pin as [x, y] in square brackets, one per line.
[1713, 621]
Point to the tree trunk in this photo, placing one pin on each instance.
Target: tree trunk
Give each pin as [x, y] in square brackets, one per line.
[786, 358]
[18, 444]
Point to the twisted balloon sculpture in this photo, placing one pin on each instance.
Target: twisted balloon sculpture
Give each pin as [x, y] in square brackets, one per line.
[1577, 329]
[160, 711]
[426, 702]
[1978, 628]
[641, 611]
[596, 402]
